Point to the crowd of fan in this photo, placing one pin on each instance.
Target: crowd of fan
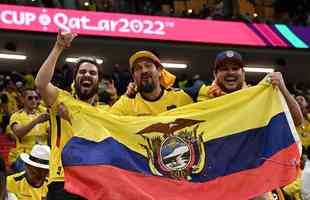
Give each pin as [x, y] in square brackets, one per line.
[25, 118]
[18, 93]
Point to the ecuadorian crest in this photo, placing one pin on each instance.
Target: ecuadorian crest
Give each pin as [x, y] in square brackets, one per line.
[175, 149]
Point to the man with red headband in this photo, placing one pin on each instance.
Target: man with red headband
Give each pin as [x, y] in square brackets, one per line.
[153, 83]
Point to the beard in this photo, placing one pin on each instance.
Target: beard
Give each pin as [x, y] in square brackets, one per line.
[146, 87]
[85, 95]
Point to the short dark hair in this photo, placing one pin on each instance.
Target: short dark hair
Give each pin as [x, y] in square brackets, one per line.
[91, 60]
[107, 77]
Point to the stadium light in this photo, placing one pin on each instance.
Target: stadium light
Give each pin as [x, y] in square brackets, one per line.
[13, 56]
[174, 65]
[258, 69]
[74, 60]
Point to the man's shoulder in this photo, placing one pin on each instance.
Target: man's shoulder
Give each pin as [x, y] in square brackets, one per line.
[204, 88]
[19, 114]
[17, 177]
[177, 93]
[63, 97]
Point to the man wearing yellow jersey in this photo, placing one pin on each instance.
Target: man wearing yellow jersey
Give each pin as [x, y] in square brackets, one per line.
[86, 80]
[31, 184]
[229, 77]
[29, 125]
[304, 129]
[153, 83]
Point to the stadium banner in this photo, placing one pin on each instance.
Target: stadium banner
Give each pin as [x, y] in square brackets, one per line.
[150, 27]
[236, 146]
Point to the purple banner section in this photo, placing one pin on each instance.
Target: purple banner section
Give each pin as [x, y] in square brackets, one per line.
[302, 32]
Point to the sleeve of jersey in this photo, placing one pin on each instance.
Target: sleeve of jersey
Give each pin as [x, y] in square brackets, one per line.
[11, 184]
[15, 118]
[62, 97]
[121, 107]
[186, 99]
[203, 93]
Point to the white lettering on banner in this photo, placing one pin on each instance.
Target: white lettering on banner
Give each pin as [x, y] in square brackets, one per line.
[67, 23]
[22, 18]
[124, 26]
[61, 20]
[4, 17]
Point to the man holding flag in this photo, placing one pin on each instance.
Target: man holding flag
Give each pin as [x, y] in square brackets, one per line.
[230, 77]
[86, 80]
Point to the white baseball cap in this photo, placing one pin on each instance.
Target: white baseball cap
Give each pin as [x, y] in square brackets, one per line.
[39, 156]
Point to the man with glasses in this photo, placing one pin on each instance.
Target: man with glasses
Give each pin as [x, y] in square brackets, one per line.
[29, 125]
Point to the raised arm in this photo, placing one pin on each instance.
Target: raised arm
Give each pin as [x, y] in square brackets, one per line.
[46, 72]
[277, 80]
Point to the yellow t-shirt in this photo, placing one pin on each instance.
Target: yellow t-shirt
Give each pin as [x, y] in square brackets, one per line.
[37, 135]
[139, 106]
[18, 185]
[61, 132]
[304, 132]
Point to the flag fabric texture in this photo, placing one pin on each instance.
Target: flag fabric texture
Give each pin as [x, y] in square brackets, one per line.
[237, 146]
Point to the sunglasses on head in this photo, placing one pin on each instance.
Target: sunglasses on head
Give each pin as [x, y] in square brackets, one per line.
[32, 97]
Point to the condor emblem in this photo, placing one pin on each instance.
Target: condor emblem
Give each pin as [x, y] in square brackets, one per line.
[176, 150]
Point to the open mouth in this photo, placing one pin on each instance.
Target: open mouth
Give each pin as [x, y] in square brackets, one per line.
[86, 84]
[230, 79]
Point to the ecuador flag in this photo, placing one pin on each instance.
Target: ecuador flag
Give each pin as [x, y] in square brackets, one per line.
[237, 146]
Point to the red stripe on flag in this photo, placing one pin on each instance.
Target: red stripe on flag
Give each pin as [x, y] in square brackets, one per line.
[108, 182]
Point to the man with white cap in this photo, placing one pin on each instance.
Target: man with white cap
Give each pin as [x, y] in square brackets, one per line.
[153, 83]
[31, 183]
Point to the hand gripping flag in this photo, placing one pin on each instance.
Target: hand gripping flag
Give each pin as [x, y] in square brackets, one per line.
[237, 146]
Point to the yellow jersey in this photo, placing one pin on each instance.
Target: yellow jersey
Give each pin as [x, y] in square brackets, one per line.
[139, 106]
[304, 132]
[61, 132]
[203, 93]
[37, 135]
[294, 189]
[18, 185]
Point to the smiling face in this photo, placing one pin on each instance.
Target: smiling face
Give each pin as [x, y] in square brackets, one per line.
[86, 81]
[146, 75]
[230, 76]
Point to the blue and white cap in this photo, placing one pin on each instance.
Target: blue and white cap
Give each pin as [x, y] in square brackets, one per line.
[228, 55]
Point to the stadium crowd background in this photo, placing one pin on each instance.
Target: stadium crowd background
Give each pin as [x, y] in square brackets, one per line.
[12, 84]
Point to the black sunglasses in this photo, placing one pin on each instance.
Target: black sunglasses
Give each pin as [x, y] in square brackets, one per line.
[32, 97]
